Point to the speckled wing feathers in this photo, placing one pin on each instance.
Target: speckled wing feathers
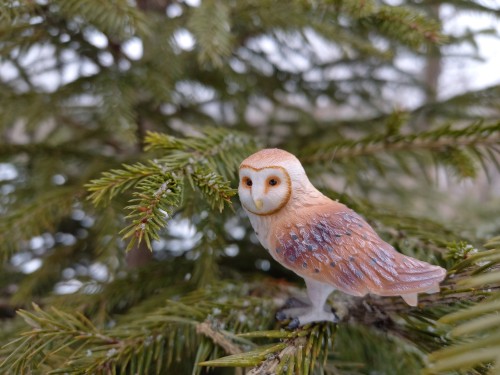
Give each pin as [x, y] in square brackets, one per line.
[332, 244]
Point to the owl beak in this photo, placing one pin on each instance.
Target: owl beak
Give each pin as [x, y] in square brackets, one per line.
[258, 203]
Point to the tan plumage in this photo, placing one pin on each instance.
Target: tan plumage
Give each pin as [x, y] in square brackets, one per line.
[323, 241]
[332, 244]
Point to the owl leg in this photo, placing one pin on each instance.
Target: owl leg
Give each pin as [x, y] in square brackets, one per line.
[317, 293]
[297, 301]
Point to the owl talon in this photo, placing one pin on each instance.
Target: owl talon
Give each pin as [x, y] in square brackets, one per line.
[294, 324]
[336, 318]
[280, 315]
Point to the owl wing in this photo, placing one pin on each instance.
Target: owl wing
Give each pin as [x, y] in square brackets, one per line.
[330, 243]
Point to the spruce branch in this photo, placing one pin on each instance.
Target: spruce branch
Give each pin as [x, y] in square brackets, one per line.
[218, 338]
[216, 191]
[475, 329]
[210, 23]
[434, 140]
[123, 19]
[152, 205]
[206, 269]
[276, 59]
[218, 148]
[116, 181]
[404, 25]
[409, 27]
[300, 351]
[458, 148]
[47, 150]
[64, 342]
[75, 344]
[463, 296]
[207, 161]
[35, 217]
[357, 9]
[415, 326]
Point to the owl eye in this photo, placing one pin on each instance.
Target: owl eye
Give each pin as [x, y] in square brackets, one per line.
[273, 181]
[248, 182]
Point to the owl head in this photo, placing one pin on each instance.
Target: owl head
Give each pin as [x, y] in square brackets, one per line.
[269, 179]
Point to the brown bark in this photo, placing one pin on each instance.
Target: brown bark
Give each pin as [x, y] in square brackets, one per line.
[139, 256]
[433, 67]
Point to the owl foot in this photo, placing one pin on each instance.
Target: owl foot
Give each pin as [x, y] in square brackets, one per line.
[302, 315]
[293, 307]
[294, 324]
[313, 316]
[292, 312]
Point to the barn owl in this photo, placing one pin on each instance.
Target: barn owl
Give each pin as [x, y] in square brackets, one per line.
[322, 240]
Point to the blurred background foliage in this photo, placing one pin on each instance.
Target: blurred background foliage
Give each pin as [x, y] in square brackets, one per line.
[123, 124]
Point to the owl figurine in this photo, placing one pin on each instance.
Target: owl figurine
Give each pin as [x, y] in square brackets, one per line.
[323, 241]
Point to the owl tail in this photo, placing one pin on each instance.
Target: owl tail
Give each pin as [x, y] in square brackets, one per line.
[412, 298]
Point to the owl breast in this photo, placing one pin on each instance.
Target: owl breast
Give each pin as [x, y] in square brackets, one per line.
[262, 226]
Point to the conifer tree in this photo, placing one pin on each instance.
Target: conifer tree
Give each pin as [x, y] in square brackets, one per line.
[124, 248]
